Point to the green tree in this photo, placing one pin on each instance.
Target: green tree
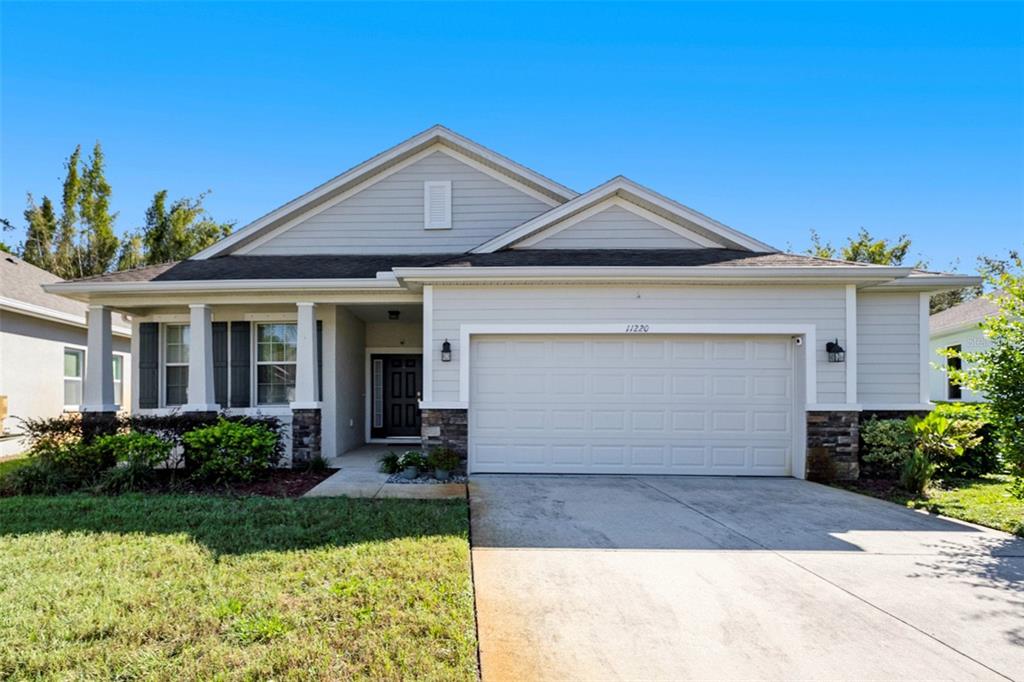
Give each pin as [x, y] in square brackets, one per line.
[42, 226]
[863, 248]
[998, 371]
[66, 258]
[99, 244]
[180, 231]
[131, 254]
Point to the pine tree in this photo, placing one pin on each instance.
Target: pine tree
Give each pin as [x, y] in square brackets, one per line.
[180, 232]
[131, 255]
[66, 258]
[99, 243]
[42, 226]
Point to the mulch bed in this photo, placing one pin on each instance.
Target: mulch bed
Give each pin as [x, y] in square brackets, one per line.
[279, 483]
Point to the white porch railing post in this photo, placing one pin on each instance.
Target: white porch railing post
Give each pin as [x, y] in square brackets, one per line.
[306, 359]
[98, 393]
[200, 360]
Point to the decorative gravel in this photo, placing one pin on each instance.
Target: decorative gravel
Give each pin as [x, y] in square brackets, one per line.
[424, 480]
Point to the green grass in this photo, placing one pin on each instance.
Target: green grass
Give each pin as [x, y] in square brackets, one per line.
[986, 501]
[11, 464]
[172, 587]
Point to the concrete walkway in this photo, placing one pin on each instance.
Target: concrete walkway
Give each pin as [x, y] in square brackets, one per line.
[359, 475]
[608, 578]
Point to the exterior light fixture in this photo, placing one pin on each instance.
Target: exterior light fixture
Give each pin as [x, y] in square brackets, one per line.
[446, 351]
[836, 353]
[393, 314]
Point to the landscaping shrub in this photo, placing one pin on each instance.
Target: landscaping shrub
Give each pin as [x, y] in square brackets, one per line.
[443, 458]
[980, 458]
[888, 444]
[38, 477]
[941, 439]
[136, 456]
[230, 450]
[917, 473]
[389, 463]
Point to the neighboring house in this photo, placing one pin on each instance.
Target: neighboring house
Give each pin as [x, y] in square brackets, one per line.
[959, 328]
[43, 349]
[440, 291]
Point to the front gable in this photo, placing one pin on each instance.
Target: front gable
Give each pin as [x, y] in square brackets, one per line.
[391, 214]
[616, 224]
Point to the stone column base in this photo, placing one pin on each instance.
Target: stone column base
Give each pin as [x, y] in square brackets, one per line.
[446, 428]
[98, 424]
[306, 437]
[833, 445]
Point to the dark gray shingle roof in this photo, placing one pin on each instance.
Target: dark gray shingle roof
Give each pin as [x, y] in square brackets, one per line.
[367, 266]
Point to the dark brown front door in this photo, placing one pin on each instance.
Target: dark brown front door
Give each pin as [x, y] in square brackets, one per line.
[401, 384]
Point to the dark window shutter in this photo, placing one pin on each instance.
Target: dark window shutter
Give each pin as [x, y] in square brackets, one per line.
[319, 360]
[220, 363]
[240, 374]
[149, 365]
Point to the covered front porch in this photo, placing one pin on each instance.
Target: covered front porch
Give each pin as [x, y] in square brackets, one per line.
[338, 372]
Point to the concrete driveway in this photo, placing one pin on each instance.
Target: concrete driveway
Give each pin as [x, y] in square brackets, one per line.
[603, 577]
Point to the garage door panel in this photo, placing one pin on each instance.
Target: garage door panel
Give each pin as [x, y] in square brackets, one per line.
[687, 405]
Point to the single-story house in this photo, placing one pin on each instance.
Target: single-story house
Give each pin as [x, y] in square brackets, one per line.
[957, 328]
[443, 293]
[44, 351]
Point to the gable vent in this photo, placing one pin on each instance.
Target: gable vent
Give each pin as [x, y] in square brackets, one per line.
[437, 205]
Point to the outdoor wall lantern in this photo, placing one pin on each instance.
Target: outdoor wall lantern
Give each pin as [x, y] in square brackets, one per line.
[446, 351]
[393, 314]
[836, 353]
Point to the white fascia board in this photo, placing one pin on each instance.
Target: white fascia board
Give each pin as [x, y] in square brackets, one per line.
[613, 273]
[930, 283]
[626, 187]
[433, 135]
[226, 285]
[52, 315]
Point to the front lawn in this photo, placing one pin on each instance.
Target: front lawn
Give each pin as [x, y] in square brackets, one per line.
[173, 587]
[985, 501]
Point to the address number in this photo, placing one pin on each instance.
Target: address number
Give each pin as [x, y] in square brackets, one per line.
[638, 328]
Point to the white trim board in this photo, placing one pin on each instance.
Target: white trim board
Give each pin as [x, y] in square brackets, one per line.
[42, 312]
[615, 201]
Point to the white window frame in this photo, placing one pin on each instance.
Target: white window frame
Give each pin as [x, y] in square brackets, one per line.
[80, 379]
[429, 187]
[118, 383]
[164, 364]
[254, 332]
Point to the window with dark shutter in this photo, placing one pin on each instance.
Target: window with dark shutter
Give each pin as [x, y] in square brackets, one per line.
[240, 362]
[149, 365]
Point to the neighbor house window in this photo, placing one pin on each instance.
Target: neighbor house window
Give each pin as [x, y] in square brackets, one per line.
[275, 363]
[118, 380]
[74, 366]
[176, 341]
[953, 391]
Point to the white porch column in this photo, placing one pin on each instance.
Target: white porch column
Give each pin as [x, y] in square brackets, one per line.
[98, 393]
[306, 360]
[200, 360]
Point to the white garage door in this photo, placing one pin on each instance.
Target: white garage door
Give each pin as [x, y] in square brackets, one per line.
[632, 404]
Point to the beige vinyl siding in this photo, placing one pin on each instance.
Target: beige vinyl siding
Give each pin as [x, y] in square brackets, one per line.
[387, 217]
[822, 306]
[615, 228]
[888, 348]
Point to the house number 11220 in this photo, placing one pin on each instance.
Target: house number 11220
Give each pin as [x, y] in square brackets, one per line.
[638, 328]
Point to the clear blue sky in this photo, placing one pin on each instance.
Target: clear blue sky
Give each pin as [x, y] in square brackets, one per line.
[774, 119]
